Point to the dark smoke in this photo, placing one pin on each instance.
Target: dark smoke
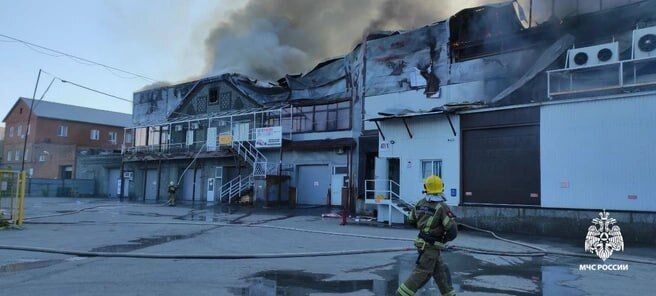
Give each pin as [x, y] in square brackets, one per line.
[270, 38]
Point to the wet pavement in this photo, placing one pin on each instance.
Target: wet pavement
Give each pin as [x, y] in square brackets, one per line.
[25, 273]
[535, 276]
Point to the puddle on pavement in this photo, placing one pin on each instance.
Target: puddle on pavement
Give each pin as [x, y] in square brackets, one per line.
[145, 242]
[529, 276]
[28, 265]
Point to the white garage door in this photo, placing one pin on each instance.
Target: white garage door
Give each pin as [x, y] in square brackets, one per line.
[312, 184]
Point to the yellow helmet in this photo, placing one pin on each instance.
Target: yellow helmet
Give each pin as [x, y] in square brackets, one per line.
[434, 185]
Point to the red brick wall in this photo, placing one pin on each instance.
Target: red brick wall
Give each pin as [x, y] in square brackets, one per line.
[59, 151]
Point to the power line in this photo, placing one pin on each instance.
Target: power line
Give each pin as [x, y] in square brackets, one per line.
[77, 59]
[88, 88]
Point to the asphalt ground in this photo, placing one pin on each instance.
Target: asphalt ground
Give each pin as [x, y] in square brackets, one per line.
[96, 230]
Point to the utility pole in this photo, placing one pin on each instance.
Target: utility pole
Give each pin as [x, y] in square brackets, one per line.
[29, 118]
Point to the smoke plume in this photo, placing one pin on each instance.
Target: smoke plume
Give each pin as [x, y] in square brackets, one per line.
[270, 38]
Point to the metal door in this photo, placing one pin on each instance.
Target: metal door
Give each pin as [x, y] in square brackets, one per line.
[151, 185]
[336, 185]
[113, 189]
[312, 184]
[501, 157]
[381, 176]
[188, 184]
[210, 189]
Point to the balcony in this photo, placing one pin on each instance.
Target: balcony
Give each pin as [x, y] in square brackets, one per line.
[623, 76]
[209, 136]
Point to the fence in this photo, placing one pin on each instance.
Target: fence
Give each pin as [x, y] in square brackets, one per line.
[60, 187]
[12, 196]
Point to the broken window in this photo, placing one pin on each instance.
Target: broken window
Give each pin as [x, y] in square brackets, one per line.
[213, 95]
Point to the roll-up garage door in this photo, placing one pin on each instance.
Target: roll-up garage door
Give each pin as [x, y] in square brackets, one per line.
[501, 157]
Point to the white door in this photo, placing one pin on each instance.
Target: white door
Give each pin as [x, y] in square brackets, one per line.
[382, 175]
[336, 185]
[211, 139]
[240, 131]
[210, 189]
[190, 138]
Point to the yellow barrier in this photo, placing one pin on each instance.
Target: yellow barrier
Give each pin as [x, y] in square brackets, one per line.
[12, 196]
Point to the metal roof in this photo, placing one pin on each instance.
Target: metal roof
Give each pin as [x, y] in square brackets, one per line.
[78, 113]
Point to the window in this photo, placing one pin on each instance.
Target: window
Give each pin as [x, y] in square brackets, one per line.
[10, 155]
[431, 167]
[319, 118]
[28, 129]
[112, 137]
[340, 170]
[95, 135]
[17, 155]
[225, 100]
[128, 138]
[214, 95]
[27, 154]
[43, 157]
[63, 131]
[11, 131]
[66, 172]
[19, 131]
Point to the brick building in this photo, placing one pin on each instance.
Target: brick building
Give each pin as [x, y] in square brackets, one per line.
[55, 135]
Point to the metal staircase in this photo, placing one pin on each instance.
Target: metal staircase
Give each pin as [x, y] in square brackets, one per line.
[252, 156]
[237, 186]
[386, 192]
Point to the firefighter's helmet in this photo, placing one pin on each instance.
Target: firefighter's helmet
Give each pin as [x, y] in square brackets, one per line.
[434, 185]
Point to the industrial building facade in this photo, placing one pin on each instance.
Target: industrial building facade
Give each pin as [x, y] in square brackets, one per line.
[566, 133]
[508, 114]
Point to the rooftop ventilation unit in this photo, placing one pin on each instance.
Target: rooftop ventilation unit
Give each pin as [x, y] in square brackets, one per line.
[644, 43]
[593, 55]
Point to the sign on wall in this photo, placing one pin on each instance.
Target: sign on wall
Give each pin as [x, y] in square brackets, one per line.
[384, 146]
[225, 139]
[268, 137]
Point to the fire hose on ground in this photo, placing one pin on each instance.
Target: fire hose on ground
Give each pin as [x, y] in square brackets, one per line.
[539, 252]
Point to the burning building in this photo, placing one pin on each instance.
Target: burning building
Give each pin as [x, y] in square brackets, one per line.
[521, 120]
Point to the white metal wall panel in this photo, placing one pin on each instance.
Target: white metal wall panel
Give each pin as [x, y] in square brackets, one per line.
[599, 154]
[432, 140]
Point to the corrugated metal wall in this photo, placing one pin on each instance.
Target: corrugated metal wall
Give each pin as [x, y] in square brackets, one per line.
[432, 140]
[599, 154]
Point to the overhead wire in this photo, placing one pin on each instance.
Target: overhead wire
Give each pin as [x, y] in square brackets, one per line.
[62, 80]
[75, 58]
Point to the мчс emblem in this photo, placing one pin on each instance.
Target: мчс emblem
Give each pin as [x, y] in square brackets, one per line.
[603, 237]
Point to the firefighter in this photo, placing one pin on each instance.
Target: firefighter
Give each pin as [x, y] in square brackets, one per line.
[172, 189]
[437, 225]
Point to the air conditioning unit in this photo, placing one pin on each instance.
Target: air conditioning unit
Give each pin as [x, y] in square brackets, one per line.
[593, 55]
[644, 43]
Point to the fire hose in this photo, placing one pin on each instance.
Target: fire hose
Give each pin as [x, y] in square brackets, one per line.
[539, 252]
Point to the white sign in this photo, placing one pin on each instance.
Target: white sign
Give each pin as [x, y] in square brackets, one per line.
[268, 136]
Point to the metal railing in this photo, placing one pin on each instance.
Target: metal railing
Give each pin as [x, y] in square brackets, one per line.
[253, 156]
[12, 197]
[235, 187]
[384, 191]
[600, 78]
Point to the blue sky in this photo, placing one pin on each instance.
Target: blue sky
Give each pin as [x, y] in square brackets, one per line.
[162, 39]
